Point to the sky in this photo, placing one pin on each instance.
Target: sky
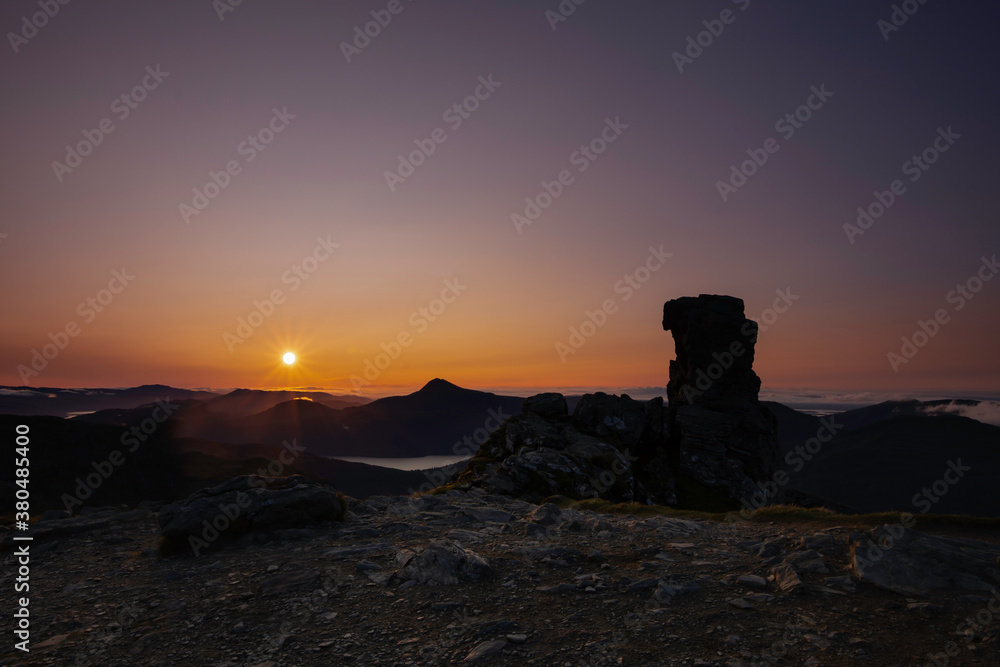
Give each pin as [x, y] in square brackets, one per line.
[276, 180]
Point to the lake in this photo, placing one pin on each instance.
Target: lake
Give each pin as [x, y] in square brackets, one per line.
[415, 463]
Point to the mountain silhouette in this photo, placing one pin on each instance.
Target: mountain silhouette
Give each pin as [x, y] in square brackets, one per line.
[429, 421]
[243, 402]
[59, 402]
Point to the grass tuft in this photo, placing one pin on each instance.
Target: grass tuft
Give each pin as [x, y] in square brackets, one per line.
[781, 514]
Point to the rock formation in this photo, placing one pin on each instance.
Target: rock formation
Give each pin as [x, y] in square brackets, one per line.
[715, 437]
[723, 437]
[594, 453]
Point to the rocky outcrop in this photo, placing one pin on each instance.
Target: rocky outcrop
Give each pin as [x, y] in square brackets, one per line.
[605, 449]
[714, 434]
[251, 503]
[723, 437]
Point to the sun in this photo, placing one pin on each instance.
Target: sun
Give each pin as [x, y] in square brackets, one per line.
[288, 358]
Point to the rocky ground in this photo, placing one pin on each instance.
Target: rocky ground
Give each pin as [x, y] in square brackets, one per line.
[470, 577]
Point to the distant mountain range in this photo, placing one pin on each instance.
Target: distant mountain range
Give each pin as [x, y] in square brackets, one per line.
[430, 421]
[55, 402]
[245, 402]
[881, 457]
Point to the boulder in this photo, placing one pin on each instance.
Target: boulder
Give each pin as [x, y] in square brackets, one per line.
[441, 563]
[910, 562]
[252, 503]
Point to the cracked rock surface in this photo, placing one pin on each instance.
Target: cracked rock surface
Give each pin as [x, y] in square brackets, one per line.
[472, 577]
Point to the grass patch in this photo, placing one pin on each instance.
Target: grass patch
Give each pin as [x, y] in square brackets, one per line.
[789, 514]
[633, 509]
[472, 470]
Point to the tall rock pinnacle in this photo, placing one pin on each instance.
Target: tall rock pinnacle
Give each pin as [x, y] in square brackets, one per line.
[724, 438]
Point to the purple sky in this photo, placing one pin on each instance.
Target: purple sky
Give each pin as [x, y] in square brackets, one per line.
[523, 286]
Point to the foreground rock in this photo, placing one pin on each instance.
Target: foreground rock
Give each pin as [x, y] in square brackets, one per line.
[441, 563]
[910, 562]
[251, 503]
[401, 582]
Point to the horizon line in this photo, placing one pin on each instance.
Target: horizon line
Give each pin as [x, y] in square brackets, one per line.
[805, 394]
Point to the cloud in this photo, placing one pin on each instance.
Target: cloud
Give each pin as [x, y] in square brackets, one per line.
[819, 401]
[987, 412]
[20, 392]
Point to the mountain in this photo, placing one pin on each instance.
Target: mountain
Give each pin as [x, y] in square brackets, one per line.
[887, 465]
[104, 464]
[885, 454]
[794, 427]
[889, 409]
[74, 458]
[430, 421]
[58, 402]
[243, 402]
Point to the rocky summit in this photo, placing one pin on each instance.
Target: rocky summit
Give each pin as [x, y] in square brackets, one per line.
[472, 577]
[611, 447]
[711, 445]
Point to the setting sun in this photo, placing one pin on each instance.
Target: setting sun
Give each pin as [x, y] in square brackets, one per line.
[288, 358]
